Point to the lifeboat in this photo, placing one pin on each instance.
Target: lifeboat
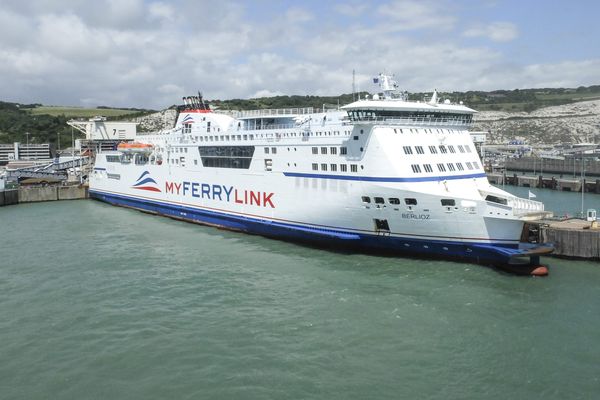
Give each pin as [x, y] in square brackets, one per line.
[135, 147]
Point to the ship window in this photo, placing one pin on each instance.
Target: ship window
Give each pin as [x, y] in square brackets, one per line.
[469, 166]
[495, 199]
[323, 150]
[475, 165]
[355, 138]
[323, 167]
[451, 148]
[461, 149]
[448, 202]
[315, 167]
[460, 166]
[366, 199]
[441, 167]
[394, 200]
[416, 168]
[343, 150]
[353, 168]
[427, 168]
[195, 162]
[379, 200]
[333, 150]
[315, 150]
[443, 149]
[419, 149]
[433, 149]
[410, 201]
[273, 150]
[343, 168]
[451, 167]
[468, 149]
[407, 149]
[401, 131]
[266, 150]
[227, 156]
[113, 159]
[333, 167]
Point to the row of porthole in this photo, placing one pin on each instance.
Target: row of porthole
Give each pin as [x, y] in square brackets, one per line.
[409, 201]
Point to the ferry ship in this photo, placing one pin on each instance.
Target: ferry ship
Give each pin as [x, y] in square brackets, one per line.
[382, 174]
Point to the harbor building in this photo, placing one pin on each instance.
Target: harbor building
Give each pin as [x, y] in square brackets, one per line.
[20, 152]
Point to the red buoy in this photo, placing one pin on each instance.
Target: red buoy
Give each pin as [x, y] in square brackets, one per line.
[540, 270]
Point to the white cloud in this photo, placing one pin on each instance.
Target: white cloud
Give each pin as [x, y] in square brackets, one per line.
[410, 15]
[496, 31]
[66, 52]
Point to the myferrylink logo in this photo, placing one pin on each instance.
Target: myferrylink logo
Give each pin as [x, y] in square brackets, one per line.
[223, 193]
[145, 182]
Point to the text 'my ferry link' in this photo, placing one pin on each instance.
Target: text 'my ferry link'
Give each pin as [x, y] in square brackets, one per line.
[382, 174]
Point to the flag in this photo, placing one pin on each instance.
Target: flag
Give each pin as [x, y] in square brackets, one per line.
[531, 195]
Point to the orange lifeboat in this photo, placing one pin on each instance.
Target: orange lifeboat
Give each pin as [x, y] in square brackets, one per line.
[135, 147]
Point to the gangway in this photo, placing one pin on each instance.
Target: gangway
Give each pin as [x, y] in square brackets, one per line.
[54, 170]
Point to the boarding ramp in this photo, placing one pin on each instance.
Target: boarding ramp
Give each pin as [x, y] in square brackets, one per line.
[55, 170]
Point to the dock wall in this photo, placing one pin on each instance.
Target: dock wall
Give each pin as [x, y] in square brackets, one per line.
[581, 243]
[42, 193]
[9, 197]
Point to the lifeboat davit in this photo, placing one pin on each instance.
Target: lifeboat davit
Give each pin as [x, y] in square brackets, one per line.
[135, 147]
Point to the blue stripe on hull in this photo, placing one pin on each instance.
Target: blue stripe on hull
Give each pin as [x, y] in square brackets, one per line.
[497, 254]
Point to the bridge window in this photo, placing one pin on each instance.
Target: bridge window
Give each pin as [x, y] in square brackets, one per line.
[333, 150]
[427, 168]
[441, 167]
[315, 150]
[443, 149]
[379, 200]
[469, 166]
[468, 149]
[323, 167]
[366, 199]
[460, 166]
[315, 167]
[343, 150]
[419, 150]
[394, 200]
[353, 168]
[333, 167]
[451, 167]
[410, 201]
[416, 168]
[266, 150]
[227, 156]
[343, 168]
[461, 149]
[433, 149]
[407, 149]
[323, 150]
[451, 148]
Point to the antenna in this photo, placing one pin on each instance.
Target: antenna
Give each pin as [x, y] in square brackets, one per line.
[353, 84]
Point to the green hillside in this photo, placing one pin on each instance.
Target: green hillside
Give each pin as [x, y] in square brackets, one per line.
[45, 123]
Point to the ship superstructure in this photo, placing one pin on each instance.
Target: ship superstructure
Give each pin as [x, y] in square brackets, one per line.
[382, 173]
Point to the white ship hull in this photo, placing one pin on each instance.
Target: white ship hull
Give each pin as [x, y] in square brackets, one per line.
[333, 183]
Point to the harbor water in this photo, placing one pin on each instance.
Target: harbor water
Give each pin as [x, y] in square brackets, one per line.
[101, 302]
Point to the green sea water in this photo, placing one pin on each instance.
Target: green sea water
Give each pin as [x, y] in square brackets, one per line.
[101, 302]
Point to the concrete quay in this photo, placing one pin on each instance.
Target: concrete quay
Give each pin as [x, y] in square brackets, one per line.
[563, 184]
[572, 238]
[33, 194]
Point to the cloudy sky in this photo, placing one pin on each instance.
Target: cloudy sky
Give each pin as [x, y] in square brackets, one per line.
[149, 53]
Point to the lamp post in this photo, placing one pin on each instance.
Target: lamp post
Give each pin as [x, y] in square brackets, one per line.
[27, 134]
